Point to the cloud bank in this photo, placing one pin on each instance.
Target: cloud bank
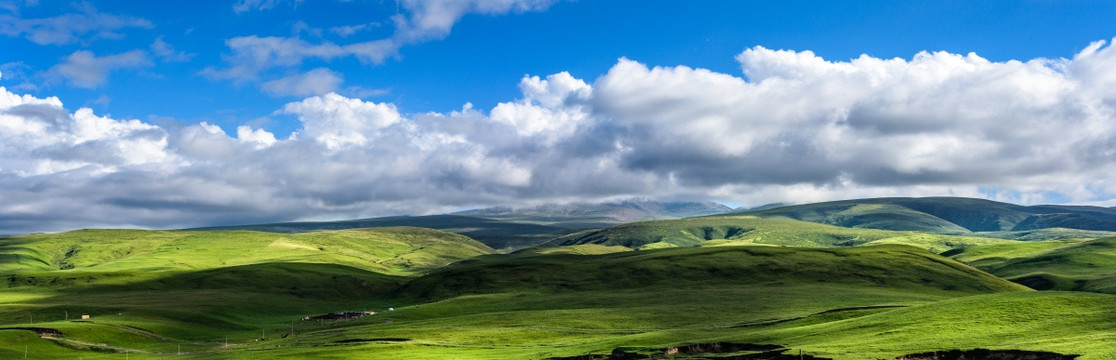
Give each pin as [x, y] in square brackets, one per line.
[790, 127]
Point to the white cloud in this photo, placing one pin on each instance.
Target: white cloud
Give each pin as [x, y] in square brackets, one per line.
[40, 138]
[552, 106]
[259, 138]
[791, 127]
[314, 82]
[336, 121]
[85, 69]
[70, 28]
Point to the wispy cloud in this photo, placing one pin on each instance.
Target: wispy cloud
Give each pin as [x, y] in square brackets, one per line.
[87, 70]
[250, 56]
[167, 53]
[87, 24]
[314, 82]
[242, 6]
[349, 30]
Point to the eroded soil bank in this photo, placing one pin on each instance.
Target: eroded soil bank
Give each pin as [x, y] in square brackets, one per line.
[985, 354]
[735, 351]
[719, 350]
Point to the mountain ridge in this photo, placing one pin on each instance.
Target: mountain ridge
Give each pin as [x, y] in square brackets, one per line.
[945, 215]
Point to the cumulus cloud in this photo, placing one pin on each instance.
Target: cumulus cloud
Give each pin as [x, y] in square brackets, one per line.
[71, 28]
[790, 127]
[335, 121]
[85, 69]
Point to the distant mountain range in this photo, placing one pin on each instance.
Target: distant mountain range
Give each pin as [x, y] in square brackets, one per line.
[602, 213]
[517, 228]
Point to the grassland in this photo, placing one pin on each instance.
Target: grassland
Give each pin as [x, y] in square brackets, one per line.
[153, 294]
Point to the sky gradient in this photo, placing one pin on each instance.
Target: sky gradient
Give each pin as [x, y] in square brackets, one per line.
[161, 115]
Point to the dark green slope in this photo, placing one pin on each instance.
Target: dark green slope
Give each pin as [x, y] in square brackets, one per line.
[947, 215]
[1072, 265]
[883, 266]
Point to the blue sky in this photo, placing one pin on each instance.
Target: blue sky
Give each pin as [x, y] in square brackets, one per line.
[484, 56]
[208, 112]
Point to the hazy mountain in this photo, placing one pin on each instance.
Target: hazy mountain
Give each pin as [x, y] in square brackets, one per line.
[602, 213]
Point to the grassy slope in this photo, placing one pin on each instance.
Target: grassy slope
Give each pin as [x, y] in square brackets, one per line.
[1052, 265]
[736, 230]
[197, 285]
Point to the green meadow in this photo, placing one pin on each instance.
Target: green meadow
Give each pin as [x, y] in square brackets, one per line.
[827, 291]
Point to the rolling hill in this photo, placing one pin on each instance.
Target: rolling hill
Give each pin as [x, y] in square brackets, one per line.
[947, 215]
[249, 295]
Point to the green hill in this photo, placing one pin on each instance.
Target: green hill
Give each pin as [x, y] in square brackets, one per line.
[1061, 265]
[946, 215]
[736, 230]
